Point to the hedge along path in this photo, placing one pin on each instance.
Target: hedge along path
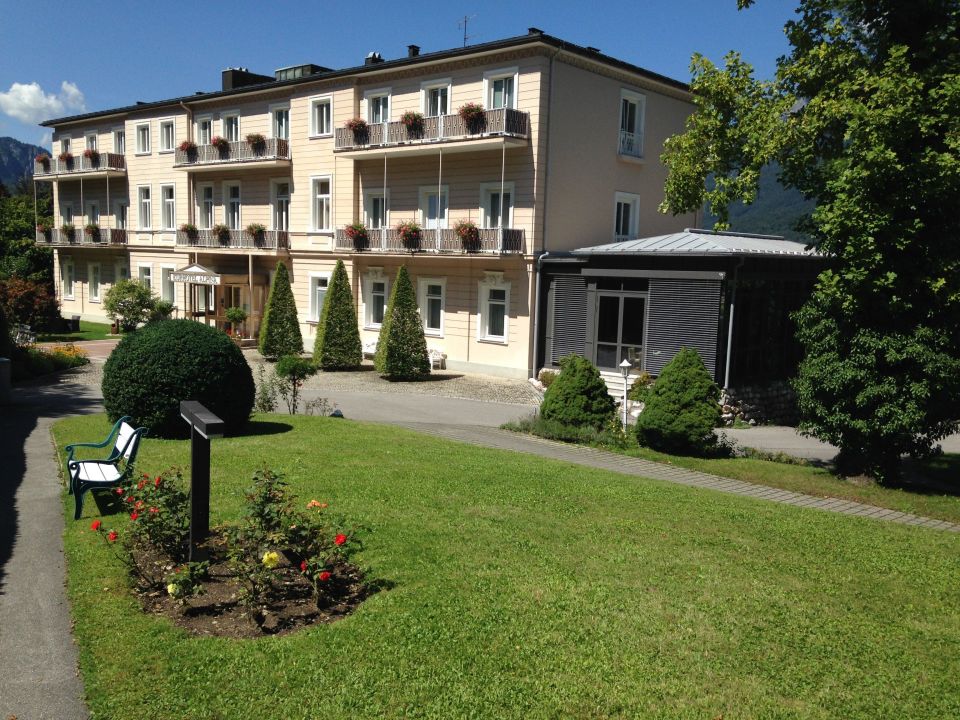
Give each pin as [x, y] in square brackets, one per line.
[638, 467]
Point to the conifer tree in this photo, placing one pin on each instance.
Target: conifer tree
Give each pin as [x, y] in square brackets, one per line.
[280, 329]
[338, 345]
[402, 350]
[578, 396]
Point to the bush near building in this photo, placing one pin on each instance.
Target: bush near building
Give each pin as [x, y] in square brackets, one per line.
[152, 370]
[129, 303]
[338, 345]
[280, 329]
[29, 302]
[682, 408]
[402, 350]
[578, 396]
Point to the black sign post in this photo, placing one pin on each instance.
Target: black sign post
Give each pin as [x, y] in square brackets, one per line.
[204, 426]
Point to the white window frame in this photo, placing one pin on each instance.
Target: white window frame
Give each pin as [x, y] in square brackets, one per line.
[119, 266]
[273, 110]
[492, 281]
[165, 271]
[369, 95]
[140, 224]
[424, 199]
[639, 129]
[200, 205]
[88, 216]
[172, 124]
[68, 278]
[274, 198]
[226, 203]
[149, 268]
[93, 288]
[66, 213]
[224, 117]
[422, 298]
[633, 201]
[141, 148]
[486, 189]
[197, 122]
[374, 274]
[439, 84]
[488, 79]
[65, 144]
[368, 196]
[312, 283]
[120, 218]
[315, 227]
[172, 225]
[315, 102]
[120, 140]
[90, 141]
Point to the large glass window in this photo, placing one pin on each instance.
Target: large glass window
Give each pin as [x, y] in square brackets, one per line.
[431, 306]
[205, 195]
[122, 210]
[281, 206]
[143, 138]
[91, 141]
[204, 131]
[145, 275]
[231, 127]
[497, 209]
[494, 308]
[66, 278]
[119, 142]
[376, 289]
[433, 208]
[631, 124]
[437, 101]
[322, 116]
[620, 321]
[379, 108]
[168, 208]
[232, 210]
[626, 216]
[376, 210]
[144, 203]
[93, 272]
[166, 135]
[501, 92]
[167, 288]
[318, 295]
[321, 204]
[281, 123]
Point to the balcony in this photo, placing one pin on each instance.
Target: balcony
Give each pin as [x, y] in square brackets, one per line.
[631, 144]
[104, 237]
[494, 128]
[270, 153]
[234, 240]
[493, 241]
[102, 165]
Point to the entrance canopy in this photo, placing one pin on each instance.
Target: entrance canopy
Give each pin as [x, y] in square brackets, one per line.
[196, 274]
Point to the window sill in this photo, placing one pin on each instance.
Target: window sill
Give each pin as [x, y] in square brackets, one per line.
[322, 136]
[631, 158]
[165, 152]
[433, 334]
[95, 300]
[493, 341]
[372, 328]
[145, 152]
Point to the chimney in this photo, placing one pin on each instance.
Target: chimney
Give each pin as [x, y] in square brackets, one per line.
[373, 58]
[534, 31]
[233, 78]
[413, 50]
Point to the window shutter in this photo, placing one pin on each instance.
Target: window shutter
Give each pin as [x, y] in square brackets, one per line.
[568, 319]
[682, 313]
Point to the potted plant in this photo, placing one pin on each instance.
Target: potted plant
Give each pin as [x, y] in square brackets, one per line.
[188, 146]
[469, 235]
[413, 121]
[221, 233]
[237, 317]
[220, 143]
[44, 228]
[67, 230]
[256, 230]
[65, 157]
[190, 230]
[256, 141]
[473, 115]
[357, 232]
[92, 155]
[359, 128]
[410, 234]
[92, 230]
[43, 160]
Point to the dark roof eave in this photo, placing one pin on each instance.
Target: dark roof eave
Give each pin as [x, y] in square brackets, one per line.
[399, 62]
[709, 254]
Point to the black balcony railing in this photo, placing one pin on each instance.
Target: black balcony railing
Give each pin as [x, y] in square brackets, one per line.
[235, 240]
[492, 241]
[102, 162]
[233, 152]
[79, 236]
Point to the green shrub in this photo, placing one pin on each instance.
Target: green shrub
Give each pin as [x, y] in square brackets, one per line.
[29, 302]
[611, 435]
[547, 377]
[578, 396]
[682, 408]
[152, 370]
[292, 371]
[338, 345]
[280, 329]
[162, 310]
[402, 350]
[129, 303]
[640, 388]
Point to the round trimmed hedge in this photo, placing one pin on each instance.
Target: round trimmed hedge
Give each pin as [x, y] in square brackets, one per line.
[153, 369]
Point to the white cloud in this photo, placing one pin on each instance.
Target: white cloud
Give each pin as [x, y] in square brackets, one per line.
[30, 104]
[45, 140]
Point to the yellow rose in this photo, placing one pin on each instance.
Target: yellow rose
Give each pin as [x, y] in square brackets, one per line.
[271, 559]
[172, 589]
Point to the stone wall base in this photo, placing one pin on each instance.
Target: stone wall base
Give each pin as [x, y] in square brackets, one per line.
[774, 403]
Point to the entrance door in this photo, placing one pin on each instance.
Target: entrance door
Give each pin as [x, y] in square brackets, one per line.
[619, 323]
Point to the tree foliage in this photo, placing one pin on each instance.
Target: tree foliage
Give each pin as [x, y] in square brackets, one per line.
[280, 329]
[29, 302]
[864, 117]
[402, 349]
[578, 396]
[129, 303]
[681, 408]
[338, 346]
[20, 256]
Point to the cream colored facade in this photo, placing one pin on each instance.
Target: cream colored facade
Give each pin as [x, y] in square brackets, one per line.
[550, 169]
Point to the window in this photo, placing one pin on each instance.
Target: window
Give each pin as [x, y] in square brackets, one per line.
[280, 122]
[119, 141]
[66, 213]
[433, 207]
[167, 288]
[631, 123]
[494, 306]
[500, 88]
[625, 216]
[205, 203]
[168, 207]
[321, 113]
[145, 275]
[66, 278]
[143, 202]
[231, 127]
[436, 98]
[321, 204]
[121, 211]
[318, 293]
[93, 278]
[166, 135]
[231, 194]
[619, 324]
[204, 130]
[91, 141]
[496, 210]
[375, 210]
[93, 212]
[65, 145]
[122, 271]
[431, 305]
[378, 106]
[375, 293]
[143, 138]
[281, 205]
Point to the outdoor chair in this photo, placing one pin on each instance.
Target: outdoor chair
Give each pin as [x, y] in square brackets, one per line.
[112, 471]
[438, 359]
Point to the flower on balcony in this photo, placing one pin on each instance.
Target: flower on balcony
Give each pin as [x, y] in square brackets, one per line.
[256, 140]
[256, 229]
[413, 121]
[468, 233]
[67, 229]
[44, 228]
[357, 125]
[220, 143]
[410, 234]
[91, 229]
[91, 154]
[187, 146]
[43, 159]
[357, 232]
[65, 157]
[189, 229]
[473, 115]
[221, 232]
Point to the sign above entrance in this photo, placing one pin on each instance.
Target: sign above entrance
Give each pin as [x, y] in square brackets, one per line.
[196, 274]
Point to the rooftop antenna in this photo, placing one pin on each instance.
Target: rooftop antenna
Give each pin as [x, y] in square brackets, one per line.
[463, 24]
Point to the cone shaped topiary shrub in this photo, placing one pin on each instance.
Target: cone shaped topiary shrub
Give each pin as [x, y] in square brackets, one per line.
[338, 346]
[402, 349]
[153, 369]
[682, 408]
[280, 329]
[578, 396]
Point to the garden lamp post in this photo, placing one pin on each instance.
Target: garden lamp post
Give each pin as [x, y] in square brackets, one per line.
[625, 371]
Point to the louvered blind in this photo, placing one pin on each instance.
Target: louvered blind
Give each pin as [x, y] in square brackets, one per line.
[682, 313]
[569, 317]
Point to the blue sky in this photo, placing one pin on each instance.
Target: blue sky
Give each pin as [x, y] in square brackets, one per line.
[53, 64]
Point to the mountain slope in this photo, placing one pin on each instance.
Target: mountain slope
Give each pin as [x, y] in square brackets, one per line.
[16, 160]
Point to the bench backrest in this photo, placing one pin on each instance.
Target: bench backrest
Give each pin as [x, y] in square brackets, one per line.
[128, 442]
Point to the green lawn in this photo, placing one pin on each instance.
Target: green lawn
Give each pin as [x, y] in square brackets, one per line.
[88, 331]
[524, 588]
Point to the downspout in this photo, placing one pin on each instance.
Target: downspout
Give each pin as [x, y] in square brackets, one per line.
[733, 300]
[536, 313]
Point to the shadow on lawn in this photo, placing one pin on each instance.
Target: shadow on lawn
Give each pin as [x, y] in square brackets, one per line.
[263, 427]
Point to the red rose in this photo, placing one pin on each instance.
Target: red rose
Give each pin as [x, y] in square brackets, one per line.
[112, 535]
[156, 483]
[154, 510]
[324, 576]
[95, 525]
[140, 485]
[130, 498]
[303, 566]
[340, 539]
[119, 491]
[134, 515]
